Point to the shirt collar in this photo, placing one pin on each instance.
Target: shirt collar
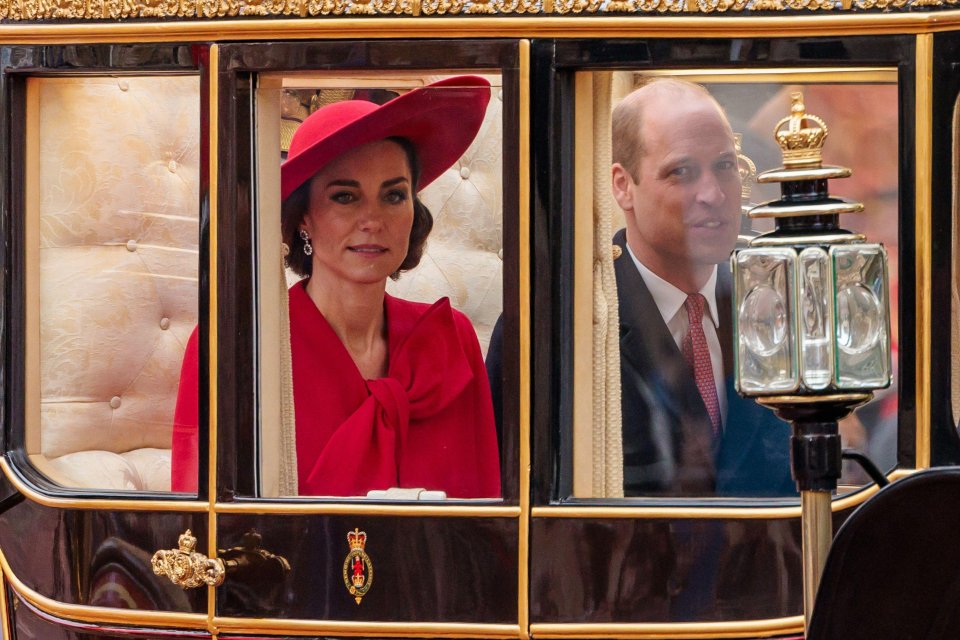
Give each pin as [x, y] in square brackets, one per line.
[669, 299]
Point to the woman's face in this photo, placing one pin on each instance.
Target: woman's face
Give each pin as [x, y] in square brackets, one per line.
[360, 213]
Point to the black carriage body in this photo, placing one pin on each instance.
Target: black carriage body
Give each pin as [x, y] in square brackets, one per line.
[541, 561]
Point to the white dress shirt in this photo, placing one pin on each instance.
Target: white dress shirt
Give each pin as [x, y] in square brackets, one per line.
[670, 302]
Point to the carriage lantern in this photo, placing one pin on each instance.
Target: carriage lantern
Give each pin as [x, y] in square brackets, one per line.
[812, 321]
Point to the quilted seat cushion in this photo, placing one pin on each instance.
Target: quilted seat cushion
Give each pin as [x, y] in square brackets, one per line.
[145, 469]
[118, 256]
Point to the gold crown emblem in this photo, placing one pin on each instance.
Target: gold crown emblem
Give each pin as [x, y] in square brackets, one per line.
[800, 136]
[745, 166]
[357, 539]
[187, 542]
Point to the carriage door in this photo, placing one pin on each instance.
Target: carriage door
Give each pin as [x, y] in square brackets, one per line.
[398, 562]
[643, 524]
[103, 158]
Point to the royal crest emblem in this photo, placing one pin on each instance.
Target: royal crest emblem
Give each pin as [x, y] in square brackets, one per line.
[357, 566]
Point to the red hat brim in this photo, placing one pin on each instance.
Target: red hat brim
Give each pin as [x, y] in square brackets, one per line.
[440, 120]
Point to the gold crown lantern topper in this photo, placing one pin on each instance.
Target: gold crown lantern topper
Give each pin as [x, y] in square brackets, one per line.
[801, 136]
[746, 168]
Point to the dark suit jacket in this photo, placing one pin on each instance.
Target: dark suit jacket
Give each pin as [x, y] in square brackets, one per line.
[668, 445]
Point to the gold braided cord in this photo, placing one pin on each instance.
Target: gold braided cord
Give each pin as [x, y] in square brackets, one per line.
[288, 427]
[607, 431]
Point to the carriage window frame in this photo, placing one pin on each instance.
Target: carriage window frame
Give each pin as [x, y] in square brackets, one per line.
[558, 63]
[584, 457]
[19, 135]
[244, 72]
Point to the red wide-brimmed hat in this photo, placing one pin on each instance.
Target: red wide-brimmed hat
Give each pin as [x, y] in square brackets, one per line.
[440, 120]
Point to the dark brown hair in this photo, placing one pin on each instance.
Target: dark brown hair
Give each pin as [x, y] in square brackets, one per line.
[294, 208]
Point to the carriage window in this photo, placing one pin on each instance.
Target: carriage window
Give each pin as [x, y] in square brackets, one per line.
[112, 203]
[657, 223]
[362, 395]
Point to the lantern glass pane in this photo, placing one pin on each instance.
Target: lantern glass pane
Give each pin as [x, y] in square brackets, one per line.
[766, 344]
[862, 320]
[815, 321]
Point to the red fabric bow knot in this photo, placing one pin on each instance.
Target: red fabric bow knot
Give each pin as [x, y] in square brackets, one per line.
[426, 373]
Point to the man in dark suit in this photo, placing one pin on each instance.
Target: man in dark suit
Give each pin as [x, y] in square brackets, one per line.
[685, 430]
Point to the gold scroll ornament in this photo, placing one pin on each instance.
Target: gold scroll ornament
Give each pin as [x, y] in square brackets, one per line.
[185, 567]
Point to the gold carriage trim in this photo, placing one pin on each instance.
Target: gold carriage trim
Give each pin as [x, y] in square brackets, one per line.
[38, 10]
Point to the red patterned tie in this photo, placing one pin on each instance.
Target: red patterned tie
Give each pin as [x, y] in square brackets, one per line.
[697, 354]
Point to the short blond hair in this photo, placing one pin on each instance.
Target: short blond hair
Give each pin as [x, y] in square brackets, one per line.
[627, 119]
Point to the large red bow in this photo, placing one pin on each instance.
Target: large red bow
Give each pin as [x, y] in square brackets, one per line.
[426, 373]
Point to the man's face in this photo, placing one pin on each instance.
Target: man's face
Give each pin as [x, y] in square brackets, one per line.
[683, 213]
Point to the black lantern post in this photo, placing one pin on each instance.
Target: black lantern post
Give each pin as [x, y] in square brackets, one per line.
[812, 321]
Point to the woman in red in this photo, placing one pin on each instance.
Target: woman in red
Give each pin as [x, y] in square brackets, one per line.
[387, 393]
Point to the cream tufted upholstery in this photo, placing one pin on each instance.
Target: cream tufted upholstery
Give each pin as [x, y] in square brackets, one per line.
[463, 255]
[117, 207]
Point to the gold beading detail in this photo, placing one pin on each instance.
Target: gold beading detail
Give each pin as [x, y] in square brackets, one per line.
[591, 6]
[40, 10]
[880, 4]
[722, 6]
[441, 7]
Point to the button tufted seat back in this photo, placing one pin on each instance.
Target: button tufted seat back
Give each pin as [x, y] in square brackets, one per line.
[117, 228]
[463, 257]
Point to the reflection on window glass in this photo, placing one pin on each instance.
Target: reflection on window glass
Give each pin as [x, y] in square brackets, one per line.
[391, 211]
[112, 233]
[673, 209]
[955, 279]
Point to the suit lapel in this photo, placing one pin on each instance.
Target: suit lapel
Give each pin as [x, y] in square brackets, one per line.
[665, 420]
[645, 340]
[648, 352]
